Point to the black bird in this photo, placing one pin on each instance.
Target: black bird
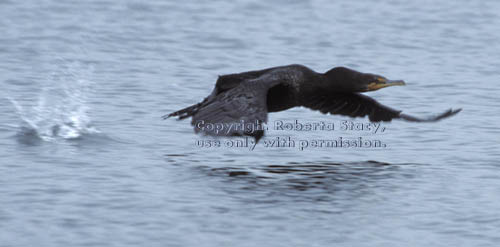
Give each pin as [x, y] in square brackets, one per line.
[239, 103]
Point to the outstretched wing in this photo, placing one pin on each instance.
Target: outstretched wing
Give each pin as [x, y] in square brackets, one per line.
[236, 112]
[358, 105]
[223, 84]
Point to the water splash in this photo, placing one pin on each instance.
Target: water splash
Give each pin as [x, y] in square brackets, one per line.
[61, 110]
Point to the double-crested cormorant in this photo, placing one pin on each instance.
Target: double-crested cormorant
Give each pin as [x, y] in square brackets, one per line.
[247, 98]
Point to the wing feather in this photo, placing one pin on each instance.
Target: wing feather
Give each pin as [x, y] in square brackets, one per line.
[239, 111]
[358, 105]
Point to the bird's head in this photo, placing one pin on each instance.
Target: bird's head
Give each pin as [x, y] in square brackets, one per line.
[348, 80]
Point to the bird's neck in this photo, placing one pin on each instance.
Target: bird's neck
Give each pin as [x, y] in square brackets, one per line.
[331, 84]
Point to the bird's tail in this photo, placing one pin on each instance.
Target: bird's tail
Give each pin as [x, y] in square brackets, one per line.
[184, 113]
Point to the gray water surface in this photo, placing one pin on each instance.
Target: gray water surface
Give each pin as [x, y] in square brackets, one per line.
[86, 160]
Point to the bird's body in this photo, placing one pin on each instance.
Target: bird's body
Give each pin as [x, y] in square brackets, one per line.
[247, 98]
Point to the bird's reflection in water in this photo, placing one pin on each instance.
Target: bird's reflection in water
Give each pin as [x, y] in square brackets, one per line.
[296, 181]
[310, 181]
